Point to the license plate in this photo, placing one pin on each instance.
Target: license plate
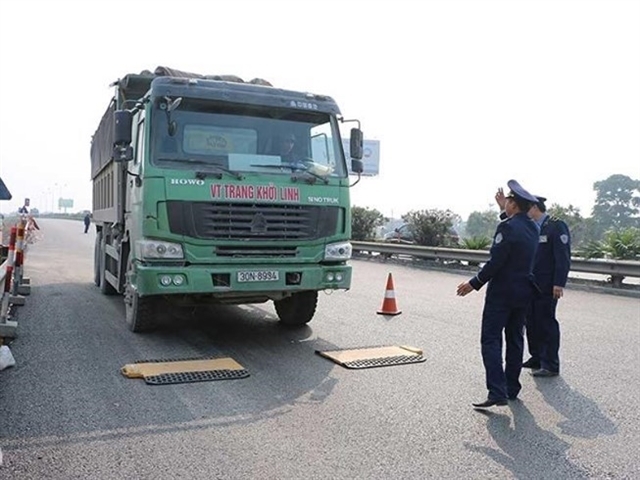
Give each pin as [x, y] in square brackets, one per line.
[258, 276]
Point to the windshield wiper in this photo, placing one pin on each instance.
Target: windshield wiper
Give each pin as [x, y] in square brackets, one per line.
[311, 178]
[297, 167]
[218, 169]
[218, 173]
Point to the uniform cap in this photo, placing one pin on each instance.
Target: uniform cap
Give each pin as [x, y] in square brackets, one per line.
[518, 191]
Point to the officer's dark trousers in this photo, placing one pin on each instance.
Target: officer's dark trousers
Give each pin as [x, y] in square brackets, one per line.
[543, 333]
[496, 318]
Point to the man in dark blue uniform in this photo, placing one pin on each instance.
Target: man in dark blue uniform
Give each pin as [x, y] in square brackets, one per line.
[509, 274]
[551, 269]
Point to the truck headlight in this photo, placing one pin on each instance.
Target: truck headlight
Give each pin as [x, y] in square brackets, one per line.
[155, 249]
[338, 251]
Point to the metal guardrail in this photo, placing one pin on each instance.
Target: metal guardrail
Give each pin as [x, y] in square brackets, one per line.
[625, 268]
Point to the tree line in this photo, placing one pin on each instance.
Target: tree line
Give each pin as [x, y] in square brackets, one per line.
[612, 230]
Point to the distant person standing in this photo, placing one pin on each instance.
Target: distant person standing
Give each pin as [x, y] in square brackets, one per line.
[87, 222]
[509, 278]
[24, 209]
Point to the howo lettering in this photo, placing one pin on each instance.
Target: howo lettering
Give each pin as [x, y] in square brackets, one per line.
[207, 189]
[187, 181]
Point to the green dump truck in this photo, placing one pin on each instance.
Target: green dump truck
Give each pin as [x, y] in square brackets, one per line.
[211, 189]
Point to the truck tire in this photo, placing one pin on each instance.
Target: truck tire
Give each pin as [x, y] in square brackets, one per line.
[105, 287]
[139, 311]
[298, 309]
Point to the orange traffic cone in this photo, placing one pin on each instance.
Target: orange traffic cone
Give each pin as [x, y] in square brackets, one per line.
[389, 306]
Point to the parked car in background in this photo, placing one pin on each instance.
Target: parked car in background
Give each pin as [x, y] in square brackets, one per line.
[403, 234]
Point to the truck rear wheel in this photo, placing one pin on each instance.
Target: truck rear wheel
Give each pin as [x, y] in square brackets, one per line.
[139, 311]
[298, 309]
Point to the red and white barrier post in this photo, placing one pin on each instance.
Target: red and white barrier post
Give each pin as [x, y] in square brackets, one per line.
[18, 288]
[8, 328]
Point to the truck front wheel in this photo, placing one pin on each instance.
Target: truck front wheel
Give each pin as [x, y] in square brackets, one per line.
[298, 309]
[139, 311]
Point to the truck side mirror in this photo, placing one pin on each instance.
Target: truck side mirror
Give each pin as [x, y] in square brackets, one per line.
[122, 150]
[122, 153]
[355, 143]
[356, 150]
[123, 120]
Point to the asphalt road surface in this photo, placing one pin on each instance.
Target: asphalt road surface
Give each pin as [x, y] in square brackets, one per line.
[66, 412]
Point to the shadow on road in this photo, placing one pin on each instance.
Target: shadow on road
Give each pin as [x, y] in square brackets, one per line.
[525, 449]
[584, 418]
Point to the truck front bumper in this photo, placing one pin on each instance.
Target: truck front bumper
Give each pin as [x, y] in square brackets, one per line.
[231, 281]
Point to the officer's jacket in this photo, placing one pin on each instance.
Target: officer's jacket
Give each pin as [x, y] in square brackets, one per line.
[553, 259]
[509, 270]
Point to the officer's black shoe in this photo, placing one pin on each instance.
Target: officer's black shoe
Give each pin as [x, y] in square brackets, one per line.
[531, 363]
[500, 402]
[544, 373]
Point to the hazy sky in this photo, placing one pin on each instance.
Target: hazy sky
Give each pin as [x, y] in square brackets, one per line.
[462, 95]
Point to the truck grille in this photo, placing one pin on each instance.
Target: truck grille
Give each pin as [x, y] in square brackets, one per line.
[251, 221]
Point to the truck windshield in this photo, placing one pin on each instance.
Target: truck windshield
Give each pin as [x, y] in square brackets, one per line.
[248, 138]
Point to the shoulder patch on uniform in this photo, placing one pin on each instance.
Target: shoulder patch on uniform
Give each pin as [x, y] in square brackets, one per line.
[498, 238]
[564, 238]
